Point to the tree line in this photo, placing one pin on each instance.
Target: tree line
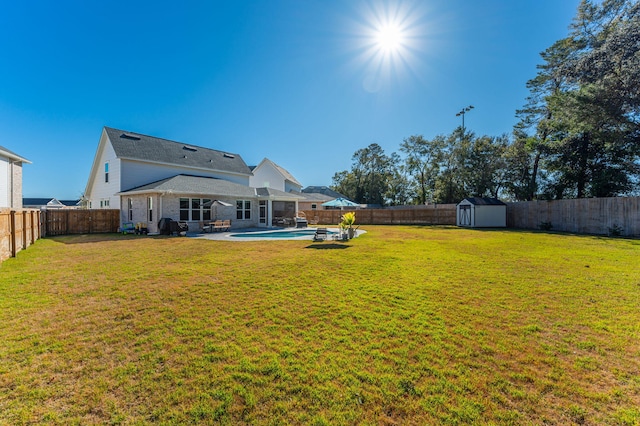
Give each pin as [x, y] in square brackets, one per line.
[577, 136]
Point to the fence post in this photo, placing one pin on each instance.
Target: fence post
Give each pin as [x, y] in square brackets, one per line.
[12, 232]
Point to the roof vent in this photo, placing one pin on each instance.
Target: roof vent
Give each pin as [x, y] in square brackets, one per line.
[226, 155]
[189, 148]
[130, 136]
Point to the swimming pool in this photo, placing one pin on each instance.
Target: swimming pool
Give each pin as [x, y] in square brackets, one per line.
[284, 234]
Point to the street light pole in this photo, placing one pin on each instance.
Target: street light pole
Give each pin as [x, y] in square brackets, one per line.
[462, 112]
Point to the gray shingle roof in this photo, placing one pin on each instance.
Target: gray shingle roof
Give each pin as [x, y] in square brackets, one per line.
[196, 185]
[323, 190]
[276, 193]
[317, 197]
[135, 146]
[485, 201]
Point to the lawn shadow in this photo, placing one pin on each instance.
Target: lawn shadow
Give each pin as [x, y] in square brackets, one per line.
[327, 246]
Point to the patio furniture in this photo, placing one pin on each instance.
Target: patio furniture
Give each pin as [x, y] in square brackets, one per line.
[226, 225]
[320, 235]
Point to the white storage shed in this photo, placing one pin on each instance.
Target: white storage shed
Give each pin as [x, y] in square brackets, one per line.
[477, 212]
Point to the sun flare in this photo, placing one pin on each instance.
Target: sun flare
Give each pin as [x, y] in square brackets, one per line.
[389, 38]
[389, 41]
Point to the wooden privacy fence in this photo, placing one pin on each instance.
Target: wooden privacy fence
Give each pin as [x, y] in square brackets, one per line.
[71, 221]
[616, 215]
[440, 214]
[18, 230]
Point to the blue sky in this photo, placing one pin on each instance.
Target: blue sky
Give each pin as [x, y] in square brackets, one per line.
[305, 83]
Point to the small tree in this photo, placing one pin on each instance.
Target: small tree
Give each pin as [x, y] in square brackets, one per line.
[348, 220]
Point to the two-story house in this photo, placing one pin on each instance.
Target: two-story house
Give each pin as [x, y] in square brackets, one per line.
[148, 178]
[11, 178]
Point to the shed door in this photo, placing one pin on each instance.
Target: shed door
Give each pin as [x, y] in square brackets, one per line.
[465, 215]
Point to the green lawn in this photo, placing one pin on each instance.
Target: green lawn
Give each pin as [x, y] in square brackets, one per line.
[403, 325]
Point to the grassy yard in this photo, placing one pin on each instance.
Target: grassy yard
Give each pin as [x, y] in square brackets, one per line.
[404, 325]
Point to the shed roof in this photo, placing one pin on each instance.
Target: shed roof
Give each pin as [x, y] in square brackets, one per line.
[485, 201]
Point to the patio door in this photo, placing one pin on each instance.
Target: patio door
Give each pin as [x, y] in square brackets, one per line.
[262, 219]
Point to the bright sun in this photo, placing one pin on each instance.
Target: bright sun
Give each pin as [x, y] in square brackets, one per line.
[389, 38]
[389, 41]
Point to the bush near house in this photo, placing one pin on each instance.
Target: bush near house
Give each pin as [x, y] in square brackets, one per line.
[403, 325]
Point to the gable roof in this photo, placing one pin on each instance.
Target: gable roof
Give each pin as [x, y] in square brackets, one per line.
[485, 201]
[284, 172]
[12, 155]
[316, 197]
[136, 146]
[323, 190]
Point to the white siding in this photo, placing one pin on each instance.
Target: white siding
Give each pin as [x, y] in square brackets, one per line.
[491, 216]
[289, 186]
[101, 190]
[137, 173]
[5, 182]
[267, 176]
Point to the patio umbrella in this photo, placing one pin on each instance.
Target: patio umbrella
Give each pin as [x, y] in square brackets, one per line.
[340, 202]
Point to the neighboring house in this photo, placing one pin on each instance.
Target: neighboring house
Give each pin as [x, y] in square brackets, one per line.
[315, 196]
[268, 174]
[148, 178]
[325, 190]
[11, 178]
[49, 203]
[313, 201]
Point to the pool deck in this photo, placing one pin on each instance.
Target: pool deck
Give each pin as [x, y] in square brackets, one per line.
[227, 235]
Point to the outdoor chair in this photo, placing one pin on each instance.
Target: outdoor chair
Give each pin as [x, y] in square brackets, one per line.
[320, 235]
[218, 226]
[226, 225]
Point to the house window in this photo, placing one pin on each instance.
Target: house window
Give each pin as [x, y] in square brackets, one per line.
[106, 172]
[194, 209]
[243, 210]
[150, 208]
[184, 209]
[206, 209]
[130, 208]
[314, 206]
